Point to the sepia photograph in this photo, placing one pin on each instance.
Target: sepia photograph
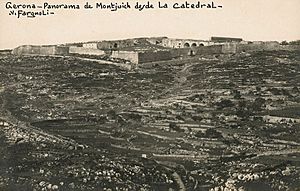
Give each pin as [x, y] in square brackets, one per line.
[137, 95]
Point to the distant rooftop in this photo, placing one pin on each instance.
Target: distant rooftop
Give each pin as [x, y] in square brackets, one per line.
[225, 39]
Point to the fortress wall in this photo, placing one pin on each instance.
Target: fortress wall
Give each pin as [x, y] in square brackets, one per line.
[105, 45]
[268, 46]
[82, 50]
[179, 52]
[61, 50]
[256, 46]
[126, 55]
[184, 43]
[40, 50]
[47, 50]
[152, 56]
[26, 49]
[229, 48]
[215, 49]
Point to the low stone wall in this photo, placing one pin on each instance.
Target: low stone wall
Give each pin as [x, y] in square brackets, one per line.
[82, 50]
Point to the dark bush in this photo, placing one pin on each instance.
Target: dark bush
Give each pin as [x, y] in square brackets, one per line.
[258, 104]
[225, 103]
[199, 134]
[173, 126]
[212, 133]
[209, 133]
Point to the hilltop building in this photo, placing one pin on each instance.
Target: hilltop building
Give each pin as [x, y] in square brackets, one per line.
[92, 45]
[142, 50]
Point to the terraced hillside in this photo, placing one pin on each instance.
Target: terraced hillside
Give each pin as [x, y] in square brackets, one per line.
[206, 123]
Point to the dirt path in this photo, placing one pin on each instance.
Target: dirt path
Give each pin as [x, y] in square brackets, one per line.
[180, 184]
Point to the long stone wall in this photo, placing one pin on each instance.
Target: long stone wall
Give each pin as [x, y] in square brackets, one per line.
[268, 46]
[142, 57]
[150, 56]
[182, 52]
[184, 43]
[26, 49]
[215, 49]
[256, 46]
[82, 50]
[61, 50]
[126, 55]
[153, 56]
[40, 50]
[47, 50]
[108, 45]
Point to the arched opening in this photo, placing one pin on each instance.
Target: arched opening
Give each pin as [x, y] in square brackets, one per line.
[115, 45]
[186, 45]
[191, 53]
[201, 44]
[194, 44]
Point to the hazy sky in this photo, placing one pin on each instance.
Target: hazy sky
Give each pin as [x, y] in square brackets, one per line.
[249, 19]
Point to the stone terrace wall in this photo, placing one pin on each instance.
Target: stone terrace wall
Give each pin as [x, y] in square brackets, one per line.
[82, 50]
